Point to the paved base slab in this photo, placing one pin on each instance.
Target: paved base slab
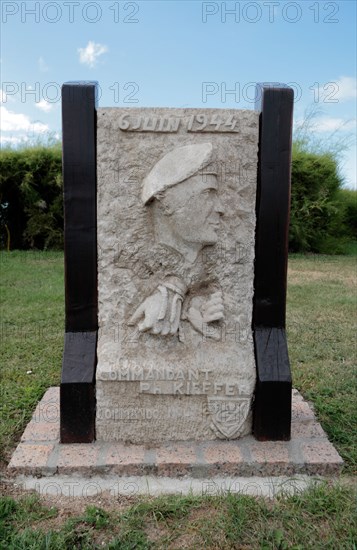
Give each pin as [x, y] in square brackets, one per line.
[187, 464]
[113, 486]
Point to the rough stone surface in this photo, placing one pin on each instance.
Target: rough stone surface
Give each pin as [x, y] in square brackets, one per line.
[31, 458]
[308, 452]
[44, 431]
[77, 457]
[176, 223]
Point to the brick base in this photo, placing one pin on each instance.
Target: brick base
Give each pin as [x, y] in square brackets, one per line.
[40, 453]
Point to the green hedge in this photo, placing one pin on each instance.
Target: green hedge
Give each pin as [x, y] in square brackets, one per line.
[31, 197]
[323, 215]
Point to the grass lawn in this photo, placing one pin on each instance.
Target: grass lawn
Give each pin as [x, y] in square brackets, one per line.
[32, 321]
[321, 314]
[321, 325]
[320, 518]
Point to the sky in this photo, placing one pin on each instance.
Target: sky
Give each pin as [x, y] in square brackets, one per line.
[187, 53]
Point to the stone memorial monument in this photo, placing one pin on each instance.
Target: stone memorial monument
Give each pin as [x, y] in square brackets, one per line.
[175, 373]
[176, 253]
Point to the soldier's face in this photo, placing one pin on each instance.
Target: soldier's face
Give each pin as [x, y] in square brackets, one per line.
[195, 209]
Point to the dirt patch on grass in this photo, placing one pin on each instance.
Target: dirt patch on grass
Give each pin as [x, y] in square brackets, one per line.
[199, 520]
[155, 532]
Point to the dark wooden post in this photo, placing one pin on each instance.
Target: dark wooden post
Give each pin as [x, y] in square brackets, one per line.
[77, 394]
[272, 405]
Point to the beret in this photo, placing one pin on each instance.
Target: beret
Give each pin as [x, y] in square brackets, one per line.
[175, 167]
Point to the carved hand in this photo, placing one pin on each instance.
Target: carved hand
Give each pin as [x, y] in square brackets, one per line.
[213, 309]
[203, 311]
[160, 312]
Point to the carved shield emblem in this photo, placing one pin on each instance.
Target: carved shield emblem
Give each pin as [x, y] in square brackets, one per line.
[228, 415]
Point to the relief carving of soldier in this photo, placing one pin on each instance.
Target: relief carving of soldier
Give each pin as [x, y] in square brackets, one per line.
[181, 196]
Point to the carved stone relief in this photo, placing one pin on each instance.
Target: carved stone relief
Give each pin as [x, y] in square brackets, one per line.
[181, 191]
[176, 229]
